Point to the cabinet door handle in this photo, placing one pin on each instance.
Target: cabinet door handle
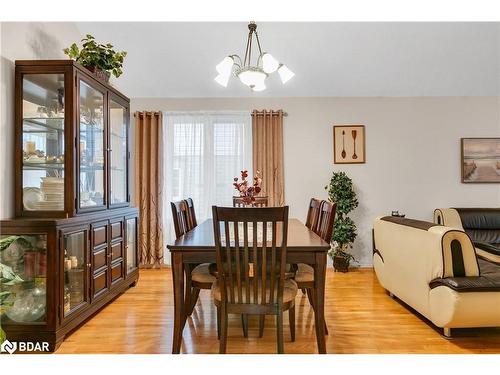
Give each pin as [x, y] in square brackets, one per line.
[89, 265]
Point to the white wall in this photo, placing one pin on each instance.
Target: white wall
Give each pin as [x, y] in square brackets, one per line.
[413, 155]
[23, 40]
[412, 147]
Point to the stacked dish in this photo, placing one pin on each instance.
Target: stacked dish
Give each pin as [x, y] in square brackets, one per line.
[52, 189]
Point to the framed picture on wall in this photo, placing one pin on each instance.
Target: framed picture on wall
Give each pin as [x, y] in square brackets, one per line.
[481, 160]
[349, 144]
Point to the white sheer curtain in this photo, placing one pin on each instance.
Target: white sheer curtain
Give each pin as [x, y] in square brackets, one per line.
[204, 151]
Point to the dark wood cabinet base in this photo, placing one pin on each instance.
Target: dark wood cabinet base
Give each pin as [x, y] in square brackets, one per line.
[55, 339]
[110, 267]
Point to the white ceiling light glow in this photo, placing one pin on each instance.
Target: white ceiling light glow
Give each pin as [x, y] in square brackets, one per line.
[253, 76]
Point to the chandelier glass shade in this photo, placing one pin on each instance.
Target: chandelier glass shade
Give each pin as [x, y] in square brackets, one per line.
[251, 75]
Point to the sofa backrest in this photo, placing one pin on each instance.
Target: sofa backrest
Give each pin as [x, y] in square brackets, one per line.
[481, 224]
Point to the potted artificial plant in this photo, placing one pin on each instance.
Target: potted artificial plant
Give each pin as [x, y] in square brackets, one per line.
[341, 192]
[100, 59]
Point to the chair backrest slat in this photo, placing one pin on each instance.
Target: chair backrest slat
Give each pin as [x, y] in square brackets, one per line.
[246, 262]
[326, 220]
[263, 269]
[191, 215]
[313, 213]
[237, 257]
[257, 263]
[265, 256]
[259, 202]
[228, 268]
[273, 264]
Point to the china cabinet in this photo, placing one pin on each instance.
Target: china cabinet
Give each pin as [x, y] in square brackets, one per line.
[72, 247]
[71, 148]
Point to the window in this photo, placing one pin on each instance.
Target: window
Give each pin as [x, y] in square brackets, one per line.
[204, 151]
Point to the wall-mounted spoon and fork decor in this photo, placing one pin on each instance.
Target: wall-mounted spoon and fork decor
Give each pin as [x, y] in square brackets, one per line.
[349, 144]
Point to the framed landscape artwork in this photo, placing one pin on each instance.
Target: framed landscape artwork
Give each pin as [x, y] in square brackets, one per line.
[480, 160]
[349, 144]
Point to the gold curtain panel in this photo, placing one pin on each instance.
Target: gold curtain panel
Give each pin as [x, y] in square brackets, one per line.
[149, 187]
[267, 133]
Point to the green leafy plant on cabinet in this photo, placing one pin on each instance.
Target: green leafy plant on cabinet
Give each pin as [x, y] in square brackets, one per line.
[97, 55]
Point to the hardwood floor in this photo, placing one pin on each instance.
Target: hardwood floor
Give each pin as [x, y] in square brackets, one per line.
[361, 317]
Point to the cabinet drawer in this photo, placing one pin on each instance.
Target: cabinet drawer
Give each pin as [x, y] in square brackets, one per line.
[99, 235]
[99, 259]
[116, 230]
[99, 284]
[117, 251]
[116, 272]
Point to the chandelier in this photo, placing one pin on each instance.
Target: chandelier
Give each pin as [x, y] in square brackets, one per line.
[253, 76]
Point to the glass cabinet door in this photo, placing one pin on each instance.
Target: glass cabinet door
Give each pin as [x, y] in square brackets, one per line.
[23, 286]
[43, 142]
[131, 231]
[91, 147]
[117, 153]
[74, 271]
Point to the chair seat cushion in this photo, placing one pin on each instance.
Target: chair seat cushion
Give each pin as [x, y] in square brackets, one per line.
[289, 292]
[201, 274]
[304, 274]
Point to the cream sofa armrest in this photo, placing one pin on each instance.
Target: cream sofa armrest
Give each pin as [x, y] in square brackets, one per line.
[458, 253]
[448, 217]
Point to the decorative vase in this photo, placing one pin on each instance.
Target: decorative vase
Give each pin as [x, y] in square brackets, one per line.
[100, 74]
[340, 263]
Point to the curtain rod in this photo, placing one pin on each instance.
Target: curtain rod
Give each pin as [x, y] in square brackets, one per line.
[285, 114]
[156, 113]
[142, 113]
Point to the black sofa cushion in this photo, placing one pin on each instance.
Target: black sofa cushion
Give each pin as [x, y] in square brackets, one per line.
[488, 281]
[481, 224]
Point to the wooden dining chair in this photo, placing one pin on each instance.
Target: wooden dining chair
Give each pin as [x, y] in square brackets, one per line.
[259, 202]
[179, 216]
[304, 275]
[191, 215]
[198, 276]
[313, 213]
[251, 264]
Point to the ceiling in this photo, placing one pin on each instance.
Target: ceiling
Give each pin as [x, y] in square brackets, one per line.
[329, 59]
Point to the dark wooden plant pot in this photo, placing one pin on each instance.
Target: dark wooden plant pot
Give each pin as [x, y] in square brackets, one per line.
[100, 74]
[340, 264]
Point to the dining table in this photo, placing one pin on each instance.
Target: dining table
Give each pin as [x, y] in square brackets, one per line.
[198, 246]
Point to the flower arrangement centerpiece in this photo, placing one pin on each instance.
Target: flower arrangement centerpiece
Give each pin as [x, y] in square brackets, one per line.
[246, 190]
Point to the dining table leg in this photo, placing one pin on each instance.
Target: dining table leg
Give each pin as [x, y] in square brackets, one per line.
[319, 296]
[179, 305]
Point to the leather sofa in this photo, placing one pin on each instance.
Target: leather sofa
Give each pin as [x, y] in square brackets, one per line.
[434, 269]
[481, 224]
